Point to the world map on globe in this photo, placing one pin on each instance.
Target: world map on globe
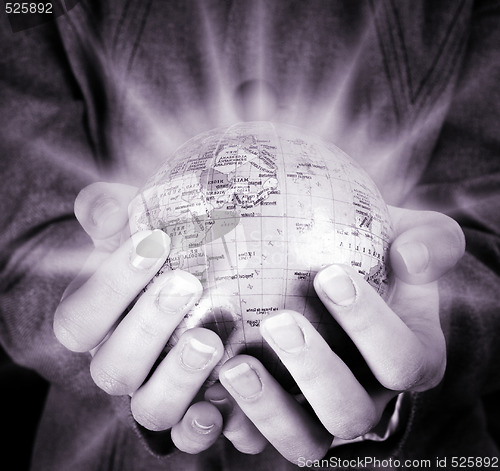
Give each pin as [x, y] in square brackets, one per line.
[254, 210]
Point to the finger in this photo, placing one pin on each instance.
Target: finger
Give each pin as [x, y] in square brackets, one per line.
[102, 208]
[342, 405]
[199, 428]
[125, 359]
[162, 401]
[399, 357]
[277, 415]
[427, 245]
[84, 317]
[238, 428]
[95, 259]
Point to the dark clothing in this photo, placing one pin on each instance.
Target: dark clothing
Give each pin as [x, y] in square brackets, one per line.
[410, 89]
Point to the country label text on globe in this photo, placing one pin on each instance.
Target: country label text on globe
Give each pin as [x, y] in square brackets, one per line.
[254, 211]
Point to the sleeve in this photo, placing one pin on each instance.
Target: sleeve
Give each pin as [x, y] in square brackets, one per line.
[52, 144]
[47, 158]
[463, 181]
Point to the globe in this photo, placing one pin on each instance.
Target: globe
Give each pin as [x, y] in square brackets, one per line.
[254, 210]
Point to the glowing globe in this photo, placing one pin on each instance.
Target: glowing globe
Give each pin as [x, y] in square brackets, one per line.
[254, 211]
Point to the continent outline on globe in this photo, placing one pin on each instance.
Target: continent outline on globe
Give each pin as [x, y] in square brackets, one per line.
[254, 211]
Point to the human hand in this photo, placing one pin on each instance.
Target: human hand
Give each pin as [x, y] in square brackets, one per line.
[126, 348]
[410, 227]
[401, 342]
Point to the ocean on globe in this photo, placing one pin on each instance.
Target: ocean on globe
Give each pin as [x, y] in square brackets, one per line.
[254, 210]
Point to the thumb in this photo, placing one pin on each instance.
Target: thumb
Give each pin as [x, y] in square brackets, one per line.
[102, 211]
[426, 246]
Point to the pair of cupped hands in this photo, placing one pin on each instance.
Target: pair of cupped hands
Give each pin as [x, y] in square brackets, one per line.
[402, 342]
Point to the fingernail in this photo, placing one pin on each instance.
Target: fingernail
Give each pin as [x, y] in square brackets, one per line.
[196, 355]
[337, 285]
[415, 256]
[285, 332]
[244, 380]
[104, 209]
[201, 427]
[180, 289]
[149, 250]
[218, 396]
[225, 406]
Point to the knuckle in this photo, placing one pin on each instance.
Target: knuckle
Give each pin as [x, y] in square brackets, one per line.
[244, 440]
[68, 331]
[431, 382]
[148, 418]
[434, 375]
[316, 451]
[421, 371]
[405, 376]
[355, 422]
[309, 377]
[148, 329]
[109, 379]
[249, 448]
[113, 286]
[361, 326]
